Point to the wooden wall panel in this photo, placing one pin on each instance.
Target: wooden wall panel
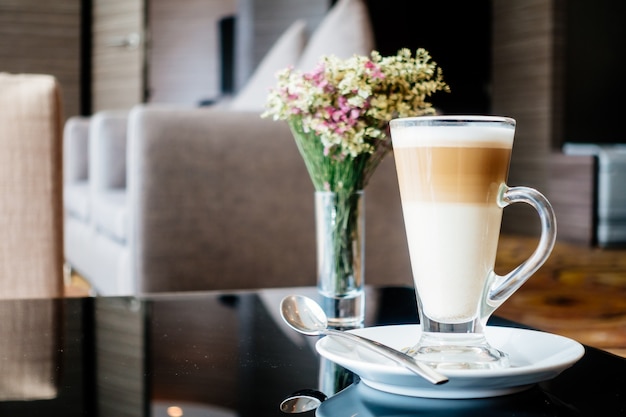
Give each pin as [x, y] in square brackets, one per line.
[44, 37]
[117, 68]
[522, 82]
[121, 388]
[572, 190]
[522, 44]
[184, 53]
[528, 67]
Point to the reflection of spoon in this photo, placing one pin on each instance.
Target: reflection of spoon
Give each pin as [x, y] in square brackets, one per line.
[306, 316]
[302, 401]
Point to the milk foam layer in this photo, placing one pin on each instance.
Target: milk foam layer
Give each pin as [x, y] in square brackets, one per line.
[453, 250]
[444, 136]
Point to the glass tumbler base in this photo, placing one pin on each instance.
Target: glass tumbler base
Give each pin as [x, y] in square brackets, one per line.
[344, 312]
[449, 355]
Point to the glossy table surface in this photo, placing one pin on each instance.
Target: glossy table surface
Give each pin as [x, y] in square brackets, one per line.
[229, 354]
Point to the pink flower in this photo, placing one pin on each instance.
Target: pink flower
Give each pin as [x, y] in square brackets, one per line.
[317, 76]
[342, 101]
[376, 72]
[337, 115]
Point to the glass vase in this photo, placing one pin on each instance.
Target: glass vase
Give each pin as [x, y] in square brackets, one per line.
[340, 227]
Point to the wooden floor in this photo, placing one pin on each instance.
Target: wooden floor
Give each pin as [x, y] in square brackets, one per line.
[579, 293]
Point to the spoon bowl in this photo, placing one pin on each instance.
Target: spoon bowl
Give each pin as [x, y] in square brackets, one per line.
[305, 316]
[302, 401]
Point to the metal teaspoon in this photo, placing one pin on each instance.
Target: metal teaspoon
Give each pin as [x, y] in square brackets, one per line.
[307, 317]
[302, 401]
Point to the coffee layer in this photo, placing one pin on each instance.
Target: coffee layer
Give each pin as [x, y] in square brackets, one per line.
[451, 174]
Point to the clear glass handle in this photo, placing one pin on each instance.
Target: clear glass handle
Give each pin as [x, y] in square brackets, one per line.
[502, 287]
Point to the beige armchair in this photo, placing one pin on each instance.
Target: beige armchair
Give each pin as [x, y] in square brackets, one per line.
[31, 222]
[31, 249]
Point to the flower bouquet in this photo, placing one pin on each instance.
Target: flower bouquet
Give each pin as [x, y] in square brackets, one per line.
[338, 114]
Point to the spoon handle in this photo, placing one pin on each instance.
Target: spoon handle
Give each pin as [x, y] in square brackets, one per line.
[400, 358]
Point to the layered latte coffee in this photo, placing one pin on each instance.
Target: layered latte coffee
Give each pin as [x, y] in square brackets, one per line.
[452, 173]
[449, 178]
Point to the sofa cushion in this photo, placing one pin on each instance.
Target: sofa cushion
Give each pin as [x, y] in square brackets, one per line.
[76, 199]
[76, 149]
[285, 52]
[345, 31]
[107, 149]
[110, 213]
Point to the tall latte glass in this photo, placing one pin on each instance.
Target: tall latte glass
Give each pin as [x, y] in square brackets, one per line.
[452, 173]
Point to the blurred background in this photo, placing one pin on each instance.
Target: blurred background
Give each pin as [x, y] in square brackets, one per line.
[554, 65]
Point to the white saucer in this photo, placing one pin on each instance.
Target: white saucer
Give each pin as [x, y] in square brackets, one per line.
[535, 356]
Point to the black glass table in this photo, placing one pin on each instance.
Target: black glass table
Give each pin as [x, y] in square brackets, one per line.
[230, 354]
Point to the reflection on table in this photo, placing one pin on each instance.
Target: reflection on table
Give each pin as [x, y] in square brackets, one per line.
[229, 354]
[30, 349]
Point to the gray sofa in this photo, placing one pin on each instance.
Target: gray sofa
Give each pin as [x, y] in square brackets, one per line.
[207, 198]
[94, 196]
